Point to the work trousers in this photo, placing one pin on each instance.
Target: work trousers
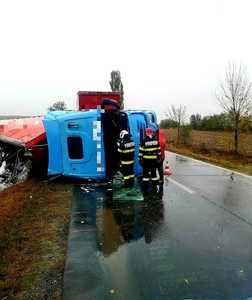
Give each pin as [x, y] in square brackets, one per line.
[150, 172]
[128, 174]
[160, 167]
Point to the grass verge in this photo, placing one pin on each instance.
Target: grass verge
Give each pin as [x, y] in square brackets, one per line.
[34, 219]
[231, 161]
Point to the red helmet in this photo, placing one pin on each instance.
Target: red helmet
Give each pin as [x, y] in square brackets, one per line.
[149, 132]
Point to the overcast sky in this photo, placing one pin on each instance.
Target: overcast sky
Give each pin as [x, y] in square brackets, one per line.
[168, 52]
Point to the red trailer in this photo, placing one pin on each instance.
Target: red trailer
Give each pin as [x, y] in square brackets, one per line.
[28, 133]
[92, 100]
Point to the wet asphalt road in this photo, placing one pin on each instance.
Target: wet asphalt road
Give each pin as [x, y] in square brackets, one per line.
[194, 241]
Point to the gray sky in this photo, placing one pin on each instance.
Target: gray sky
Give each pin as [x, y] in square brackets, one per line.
[168, 52]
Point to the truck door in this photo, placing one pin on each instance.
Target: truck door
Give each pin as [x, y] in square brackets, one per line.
[82, 145]
[113, 121]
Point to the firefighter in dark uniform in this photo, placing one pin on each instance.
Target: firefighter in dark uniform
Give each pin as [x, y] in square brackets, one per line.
[149, 155]
[126, 149]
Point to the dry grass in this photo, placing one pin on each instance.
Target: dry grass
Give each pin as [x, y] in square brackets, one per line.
[214, 141]
[33, 218]
[214, 147]
[228, 160]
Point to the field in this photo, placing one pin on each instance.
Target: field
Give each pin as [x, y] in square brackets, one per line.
[214, 147]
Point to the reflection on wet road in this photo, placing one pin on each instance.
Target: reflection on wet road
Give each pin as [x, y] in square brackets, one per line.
[179, 245]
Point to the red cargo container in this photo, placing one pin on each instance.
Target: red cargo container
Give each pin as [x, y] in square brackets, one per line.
[92, 100]
[26, 132]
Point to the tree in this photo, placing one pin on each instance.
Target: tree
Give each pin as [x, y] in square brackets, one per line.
[235, 97]
[195, 121]
[58, 105]
[177, 114]
[116, 84]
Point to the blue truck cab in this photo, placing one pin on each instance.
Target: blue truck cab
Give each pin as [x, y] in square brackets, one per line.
[83, 144]
[75, 144]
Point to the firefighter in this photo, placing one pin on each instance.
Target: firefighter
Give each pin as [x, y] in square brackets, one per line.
[150, 155]
[126, 149]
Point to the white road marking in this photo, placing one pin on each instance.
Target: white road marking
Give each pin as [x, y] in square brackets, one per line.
[211, 165]
[188, 190]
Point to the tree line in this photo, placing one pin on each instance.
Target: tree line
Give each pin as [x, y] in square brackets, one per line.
[216, 122]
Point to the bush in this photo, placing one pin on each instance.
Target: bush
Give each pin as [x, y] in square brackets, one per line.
[168, 123]
[186, 131]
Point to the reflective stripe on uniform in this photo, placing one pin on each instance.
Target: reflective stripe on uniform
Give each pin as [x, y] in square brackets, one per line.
[126, 151]
[123, 162]
[128, 177]
[150, 149]
[154, 178]
[150, 156]
[145, 179]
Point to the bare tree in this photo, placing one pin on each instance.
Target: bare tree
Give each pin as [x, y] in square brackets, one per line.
[58, 105]
[116, 84]
[235, 97]
[177, 114]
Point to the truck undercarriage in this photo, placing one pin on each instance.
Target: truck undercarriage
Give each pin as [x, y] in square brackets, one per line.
[15, 163]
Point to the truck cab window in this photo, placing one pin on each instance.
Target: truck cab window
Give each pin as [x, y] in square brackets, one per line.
[75, 147]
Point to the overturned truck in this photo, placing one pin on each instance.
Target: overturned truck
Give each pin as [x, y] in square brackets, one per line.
[81, 143]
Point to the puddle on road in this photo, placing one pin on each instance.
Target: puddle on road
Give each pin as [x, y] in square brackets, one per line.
[146, 250]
